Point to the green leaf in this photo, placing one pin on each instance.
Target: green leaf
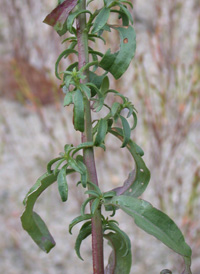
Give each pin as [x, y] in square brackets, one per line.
[126, 241]
[101, 132]
[118, 62]
[65, 54]
[72, 17]
[97, 36]
[137, 182]
[105, 85]
[84, 205]
[101, 20]
[115, 109]
[117, 263]
[95, 187]
[31, 221]
[126, 12]
[123, 16]
[49, 165]
[62, 184]
[126, 131]
[68, 99]
[96, 80]
[86, 90]
[73, 163]
[82, 146]
[58, 165]
[92, 193]
[127, 2]
[84, 232]
[78, 220]
[68, 148]
[78, 111]
[154, 222]
[95, 205]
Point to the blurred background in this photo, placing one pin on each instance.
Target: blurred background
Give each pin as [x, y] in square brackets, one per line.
[163, 82]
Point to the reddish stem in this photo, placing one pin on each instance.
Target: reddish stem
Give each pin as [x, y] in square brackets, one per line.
[88, 153]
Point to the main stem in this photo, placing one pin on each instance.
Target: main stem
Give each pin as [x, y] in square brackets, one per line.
[88, 154]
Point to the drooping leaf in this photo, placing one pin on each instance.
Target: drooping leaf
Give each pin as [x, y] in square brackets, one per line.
[59, 15]
[59, 163]
[62, 184]
[154, 222]
[117, 63]
[31, 221]
[49, 165]
[123, 16]
[101, 132]
[121, 234]
[65, 53]
[83, 206]
[126, 12]
[78, 220]
[78, 111]
[101, 20]
[117, 263]
[84, 232]
[137, 182]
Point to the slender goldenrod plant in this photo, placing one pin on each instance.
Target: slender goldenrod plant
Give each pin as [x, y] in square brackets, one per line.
[86, 89]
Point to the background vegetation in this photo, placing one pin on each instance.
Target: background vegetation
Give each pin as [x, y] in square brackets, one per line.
[163, 84]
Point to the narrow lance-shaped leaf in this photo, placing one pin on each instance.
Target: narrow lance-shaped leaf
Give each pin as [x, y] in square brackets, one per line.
[117, 263]
[101, 132]
[62, 184]
[78, 111]
[84, 174]
[126, 131]
[58, 16]
[117, 63]
[101, 20]
[78, 220]
[95, 205]
[154, 222]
